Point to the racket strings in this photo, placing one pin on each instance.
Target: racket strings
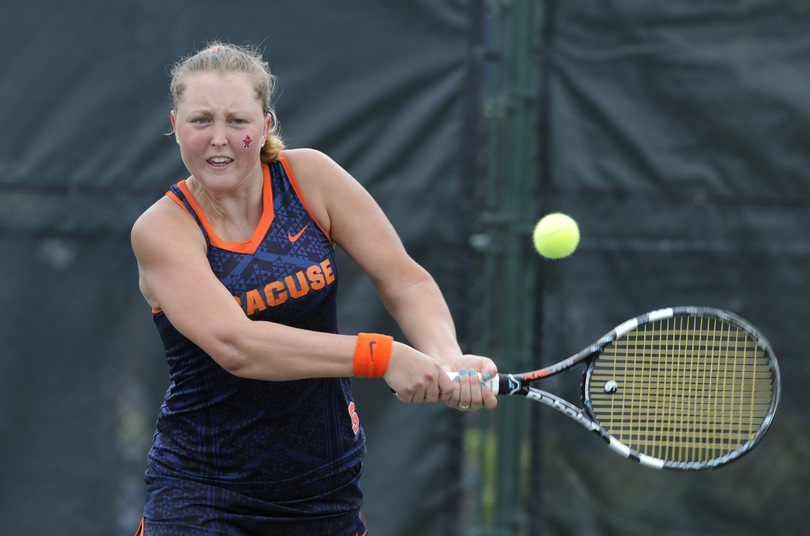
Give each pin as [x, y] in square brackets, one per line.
[684, 389]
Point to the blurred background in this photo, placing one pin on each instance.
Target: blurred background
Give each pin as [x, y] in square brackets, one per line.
[675, 133]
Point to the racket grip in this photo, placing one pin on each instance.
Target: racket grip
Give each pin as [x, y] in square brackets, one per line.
[493, 383]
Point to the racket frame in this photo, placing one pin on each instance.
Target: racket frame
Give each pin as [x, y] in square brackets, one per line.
[520, 385]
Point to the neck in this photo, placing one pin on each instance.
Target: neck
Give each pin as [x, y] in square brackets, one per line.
[235, 214]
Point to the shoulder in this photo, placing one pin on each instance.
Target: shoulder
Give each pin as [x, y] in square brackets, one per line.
[166, 242]
[322, 181]
[163, 211]
[163, 224]
[306, 163]
[317, 173]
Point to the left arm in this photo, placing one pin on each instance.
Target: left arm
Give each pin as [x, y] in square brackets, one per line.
[425, 319]
[355, 222]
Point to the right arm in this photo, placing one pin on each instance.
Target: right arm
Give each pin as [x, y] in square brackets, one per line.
[175, 276]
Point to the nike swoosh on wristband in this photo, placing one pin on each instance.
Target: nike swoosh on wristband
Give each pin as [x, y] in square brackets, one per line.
[295, 237]
[371, 349]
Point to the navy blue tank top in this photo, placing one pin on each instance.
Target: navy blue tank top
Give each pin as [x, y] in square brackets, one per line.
[257, 442]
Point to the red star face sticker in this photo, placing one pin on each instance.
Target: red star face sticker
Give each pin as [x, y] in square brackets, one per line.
[247, 141]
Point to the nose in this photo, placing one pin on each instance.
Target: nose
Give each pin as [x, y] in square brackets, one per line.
[219, 137]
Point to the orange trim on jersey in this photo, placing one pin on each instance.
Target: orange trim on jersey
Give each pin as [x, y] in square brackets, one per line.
[258, 234]
[173, 196]
[294, 182]
[361, 517]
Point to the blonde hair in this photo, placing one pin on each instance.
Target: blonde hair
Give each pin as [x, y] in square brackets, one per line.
[229, 58]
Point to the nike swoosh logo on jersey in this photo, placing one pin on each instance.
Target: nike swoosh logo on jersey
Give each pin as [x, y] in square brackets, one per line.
[295, 237]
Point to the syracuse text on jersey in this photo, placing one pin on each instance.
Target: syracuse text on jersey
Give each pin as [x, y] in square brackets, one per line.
[293, 286]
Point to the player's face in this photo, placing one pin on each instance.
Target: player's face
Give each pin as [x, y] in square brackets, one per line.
[220, 126]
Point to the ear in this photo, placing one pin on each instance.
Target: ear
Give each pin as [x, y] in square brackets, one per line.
[174, 122]
[268, 126]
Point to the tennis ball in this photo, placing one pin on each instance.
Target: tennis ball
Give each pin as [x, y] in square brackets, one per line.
[556, 236]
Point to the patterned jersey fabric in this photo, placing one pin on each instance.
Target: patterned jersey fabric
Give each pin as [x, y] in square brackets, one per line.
[238, 456]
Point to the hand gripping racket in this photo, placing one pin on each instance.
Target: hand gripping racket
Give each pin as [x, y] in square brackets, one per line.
[682, 388]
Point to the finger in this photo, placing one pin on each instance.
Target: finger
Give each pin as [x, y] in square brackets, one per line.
[433, 392]
[419, 396]
[447, 388]
[490, 400]
[465, 396]
[476, 389]
[456, 395]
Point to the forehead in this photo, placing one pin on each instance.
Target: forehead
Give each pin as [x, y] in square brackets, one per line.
[219, 90]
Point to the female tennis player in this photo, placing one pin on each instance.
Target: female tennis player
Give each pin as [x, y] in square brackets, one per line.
[258, 432]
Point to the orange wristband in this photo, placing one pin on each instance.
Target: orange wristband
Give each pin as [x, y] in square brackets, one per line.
[372, 354]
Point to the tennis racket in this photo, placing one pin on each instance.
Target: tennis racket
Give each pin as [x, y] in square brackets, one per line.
[683, 388]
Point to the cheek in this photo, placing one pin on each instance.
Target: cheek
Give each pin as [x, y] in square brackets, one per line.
[250, 140]
[189, 138]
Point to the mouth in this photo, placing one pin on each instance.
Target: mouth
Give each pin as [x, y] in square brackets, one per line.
[219, 162]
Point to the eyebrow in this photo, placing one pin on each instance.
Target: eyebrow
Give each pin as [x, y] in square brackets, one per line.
[209, 111]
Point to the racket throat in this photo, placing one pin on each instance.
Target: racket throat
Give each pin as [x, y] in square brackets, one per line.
[563, 406]
[507, 385]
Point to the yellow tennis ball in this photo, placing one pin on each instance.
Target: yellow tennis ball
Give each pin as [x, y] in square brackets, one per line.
[556, 236]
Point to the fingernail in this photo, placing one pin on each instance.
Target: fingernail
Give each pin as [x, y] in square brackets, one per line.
[488, 376]
[458, 379]
[463, 372]
[483, 385]
[472, 372]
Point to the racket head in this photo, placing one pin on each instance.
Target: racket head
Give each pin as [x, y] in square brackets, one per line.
[684, 388]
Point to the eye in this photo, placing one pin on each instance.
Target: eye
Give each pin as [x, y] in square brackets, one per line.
[201, 121]
[238, 121]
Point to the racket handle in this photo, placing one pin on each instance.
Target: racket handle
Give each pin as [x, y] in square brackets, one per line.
[493, 383]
